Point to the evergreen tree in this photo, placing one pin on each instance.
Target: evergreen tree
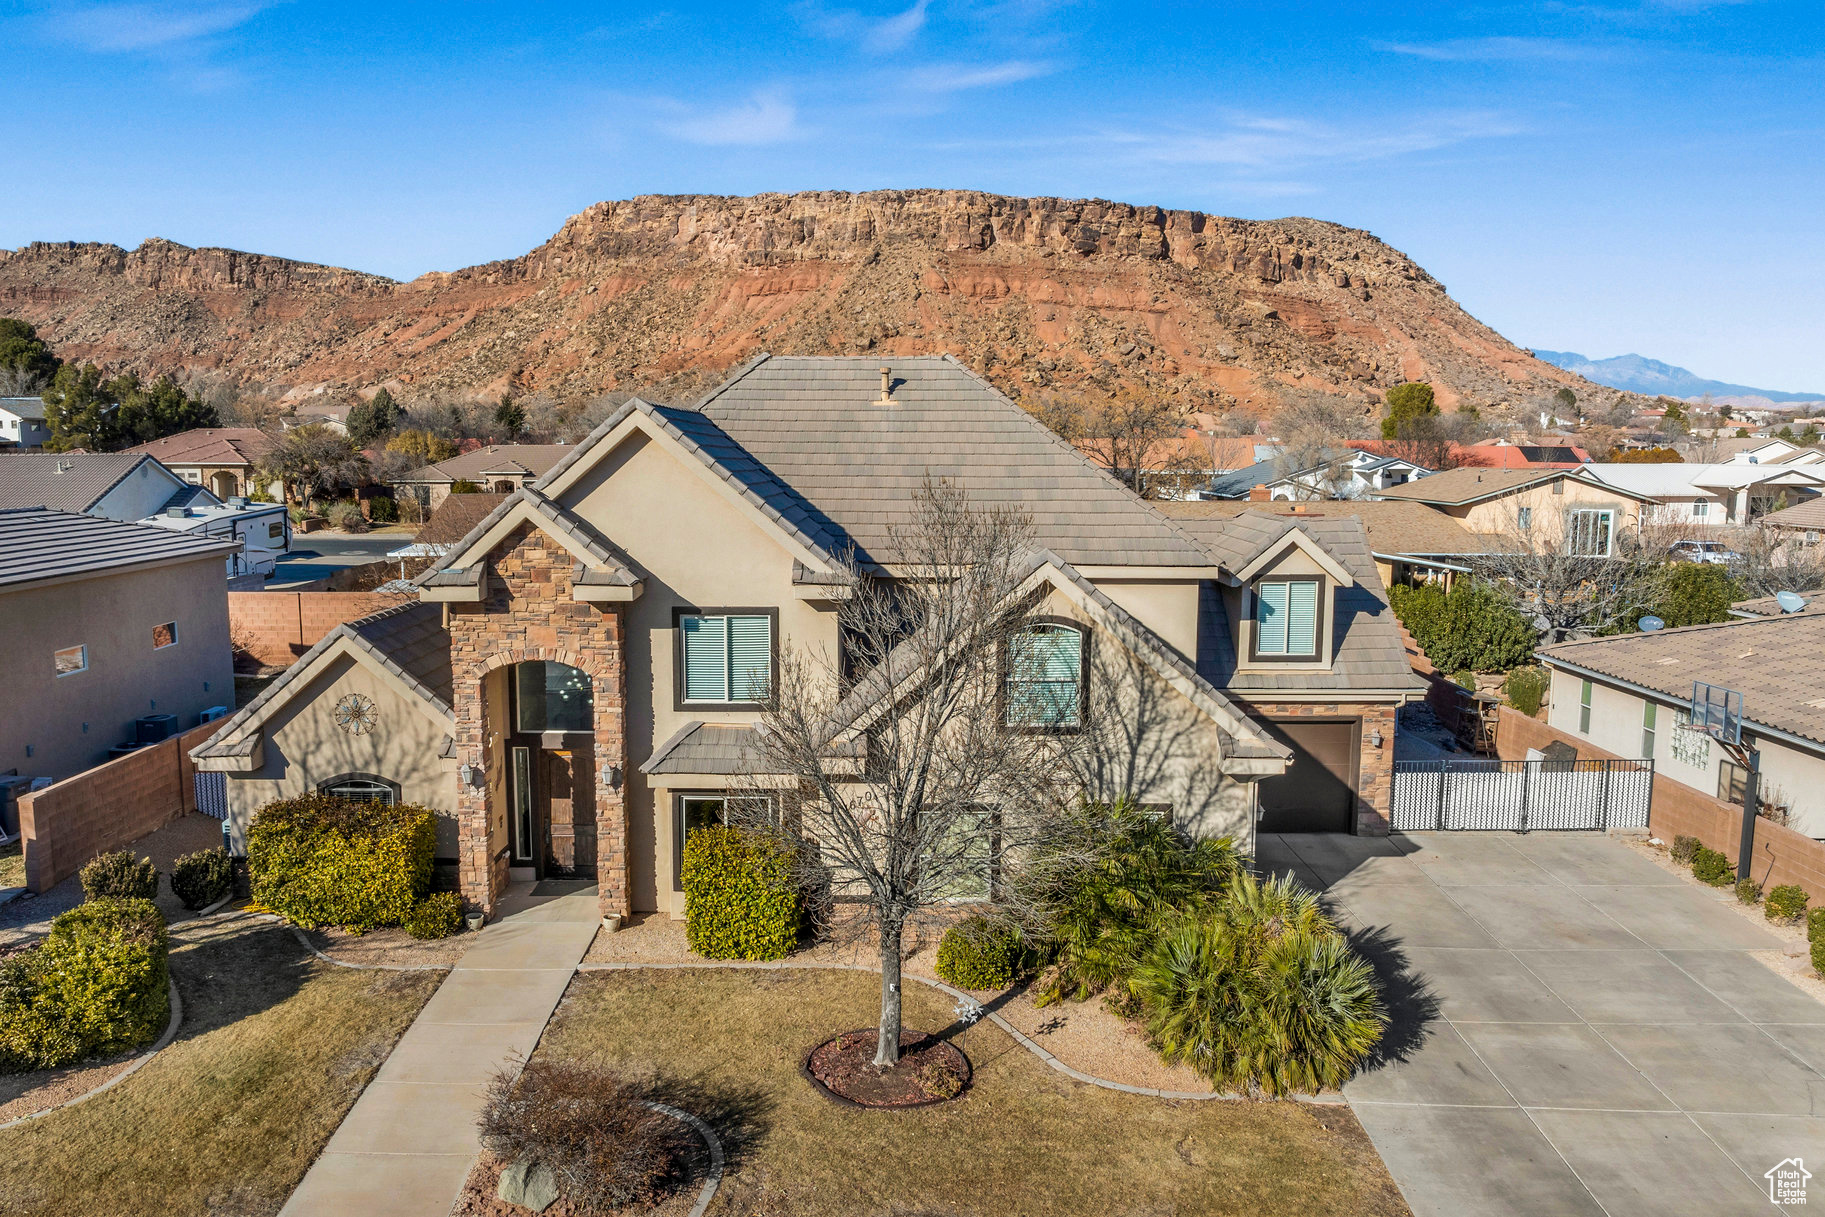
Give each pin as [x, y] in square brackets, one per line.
[371, 421]
[79, 410]
[25, 360]
[1407, 403]
[510, 417]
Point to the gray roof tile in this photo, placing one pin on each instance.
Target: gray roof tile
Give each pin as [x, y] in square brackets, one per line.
[37, 543]
[62, 481]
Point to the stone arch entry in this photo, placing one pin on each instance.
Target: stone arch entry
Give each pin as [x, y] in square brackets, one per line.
[224, 485]
[550, 758]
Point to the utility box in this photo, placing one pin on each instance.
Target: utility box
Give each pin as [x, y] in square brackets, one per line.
[154, 728]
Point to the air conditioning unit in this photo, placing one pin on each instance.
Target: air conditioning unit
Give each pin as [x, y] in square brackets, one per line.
[212, 713]
[152, 728]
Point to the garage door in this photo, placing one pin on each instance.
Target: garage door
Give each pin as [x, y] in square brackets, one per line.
[1317, 793]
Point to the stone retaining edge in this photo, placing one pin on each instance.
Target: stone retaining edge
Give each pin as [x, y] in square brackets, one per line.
[710, 1139]
[164, 1041]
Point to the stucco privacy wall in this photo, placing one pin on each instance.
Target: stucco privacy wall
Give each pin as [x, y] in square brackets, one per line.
[277, 627]
[1781, 855]
[108, 807]
[698, 551]
[528, 612]
[303, 747]
[113, 615]
[1374, 764]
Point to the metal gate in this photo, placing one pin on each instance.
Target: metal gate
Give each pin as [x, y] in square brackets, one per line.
[1515, 796]
[212, 794]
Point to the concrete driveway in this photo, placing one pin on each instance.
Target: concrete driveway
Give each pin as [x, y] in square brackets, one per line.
[1576, 1030]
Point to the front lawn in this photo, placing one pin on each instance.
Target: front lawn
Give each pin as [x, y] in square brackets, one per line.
[1024, 1140]
[12, 865]
[274, 1049]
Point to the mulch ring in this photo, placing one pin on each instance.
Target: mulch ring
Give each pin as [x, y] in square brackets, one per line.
[930, 1070]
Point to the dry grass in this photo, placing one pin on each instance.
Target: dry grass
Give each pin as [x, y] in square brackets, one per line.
[274, 1049]
[12, 865]
[1024, 1140]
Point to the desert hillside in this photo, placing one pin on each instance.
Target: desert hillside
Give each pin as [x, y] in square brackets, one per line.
[665, 293]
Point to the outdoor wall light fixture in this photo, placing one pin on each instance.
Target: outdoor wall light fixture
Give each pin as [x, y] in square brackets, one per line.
[1375, 737]
[611, 776]
[469, 775]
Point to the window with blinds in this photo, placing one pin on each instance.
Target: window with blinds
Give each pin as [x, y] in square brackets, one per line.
[1286, 618]
[728, 658]
[1045, 676]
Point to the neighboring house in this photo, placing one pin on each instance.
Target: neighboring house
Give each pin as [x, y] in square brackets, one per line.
[22, 422]
[108, 485]
[106, 622]
[224, 459]
[1554, 505]
[1410, 542]
[498, 468]
[1734, 494]
[1805, 522]
[575, 687]
[1353, 474]
[1631, 694]
[1178, 468]
[263, 529]
[453, 520]
[1525, 454]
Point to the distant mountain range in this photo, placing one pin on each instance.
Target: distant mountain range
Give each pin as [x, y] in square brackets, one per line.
[1638, 374]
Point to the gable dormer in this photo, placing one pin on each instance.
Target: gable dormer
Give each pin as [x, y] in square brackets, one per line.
[1284, 602]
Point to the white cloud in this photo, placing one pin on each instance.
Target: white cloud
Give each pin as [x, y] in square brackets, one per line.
[956, 77]
[143, 27]
[768, 117]
[1265, 142]
[1496, 49]
[868, 33]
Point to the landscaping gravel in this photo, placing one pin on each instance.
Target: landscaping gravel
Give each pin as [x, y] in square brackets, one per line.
[29, 917]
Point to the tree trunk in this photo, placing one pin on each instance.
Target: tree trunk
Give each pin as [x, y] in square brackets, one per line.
[887, 1046]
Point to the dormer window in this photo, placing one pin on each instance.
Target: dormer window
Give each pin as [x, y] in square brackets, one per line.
[1045, 677]
[1287, 613]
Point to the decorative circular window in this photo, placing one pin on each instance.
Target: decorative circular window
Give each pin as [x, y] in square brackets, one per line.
[355, 714]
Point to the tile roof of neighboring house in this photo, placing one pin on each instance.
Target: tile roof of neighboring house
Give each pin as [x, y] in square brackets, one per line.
[1458, 487]
[1808, 515]
[535, 459]
[37, 543]
[456, 517]
[1393, 527]
[24, 407]
[1776, 663]
[211, 446]
[1672, 481]
[408, 640]
[63, 481]
[1770, 606]
[813, 423]
[1368, 651]
[1238, 482]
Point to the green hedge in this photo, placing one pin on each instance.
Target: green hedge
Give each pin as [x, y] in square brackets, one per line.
[318, 860]
[1476, 627]
[976, 955]
[1786, 902]
[741, 899]
[98, 985]
[202, 878]
[1815, 935]
[1712, 867]
[120, 876]
[438, 915]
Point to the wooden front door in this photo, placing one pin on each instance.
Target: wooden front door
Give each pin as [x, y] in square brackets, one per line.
[552, 815]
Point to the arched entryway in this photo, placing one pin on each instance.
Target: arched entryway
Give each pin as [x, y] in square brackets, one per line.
[224, 485]
[551, 759]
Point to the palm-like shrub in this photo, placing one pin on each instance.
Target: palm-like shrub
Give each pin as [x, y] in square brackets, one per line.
[1259, 992]
[1107, 886]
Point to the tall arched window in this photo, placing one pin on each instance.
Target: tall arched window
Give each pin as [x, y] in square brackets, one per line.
[1045, 676]
[361, 788]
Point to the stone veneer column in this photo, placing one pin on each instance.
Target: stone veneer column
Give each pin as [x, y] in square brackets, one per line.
[528, 613]
[1375, 766]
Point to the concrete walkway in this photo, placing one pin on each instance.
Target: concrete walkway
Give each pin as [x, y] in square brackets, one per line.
[408, 1143]
[1576, 1031]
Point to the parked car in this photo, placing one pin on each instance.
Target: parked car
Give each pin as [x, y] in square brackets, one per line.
[1714, 552]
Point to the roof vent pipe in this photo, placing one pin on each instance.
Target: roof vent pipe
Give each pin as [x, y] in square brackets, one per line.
[886, 398]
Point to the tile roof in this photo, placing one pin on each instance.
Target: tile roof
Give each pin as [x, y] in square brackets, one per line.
[1809, 515]
[1393, 527]
[1776, 663]
[698, 747]
[813, 424]
[62, 481]
[37, 543]
[24, 407]
[1366, 644]
[608, 563]
[1456, 487]
[535, 459]
[211, 446]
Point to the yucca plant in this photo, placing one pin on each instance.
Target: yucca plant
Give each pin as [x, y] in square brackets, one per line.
[1107, 885]
[1259, 992]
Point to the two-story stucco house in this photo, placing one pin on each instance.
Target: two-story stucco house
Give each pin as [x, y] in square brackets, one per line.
[572, 686]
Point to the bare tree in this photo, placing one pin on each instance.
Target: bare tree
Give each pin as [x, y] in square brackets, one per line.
[314, 458]
[1314, 430]
[1131, 436]
[21, 381]
[919, 779]
[1770, 560]
[1576, 572]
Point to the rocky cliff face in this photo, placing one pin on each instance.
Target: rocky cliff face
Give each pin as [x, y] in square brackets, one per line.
[663, 294]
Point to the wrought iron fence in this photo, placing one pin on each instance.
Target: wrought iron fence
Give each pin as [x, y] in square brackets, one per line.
[1516, 796]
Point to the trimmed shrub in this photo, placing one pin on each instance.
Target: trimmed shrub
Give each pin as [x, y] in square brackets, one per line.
[1748, 891]
[1787, 902]
[98, 985]
[1815, 935]
[1710, 866]
[120, 876]
[1683, 849]
[1475, 627]
[346, 515]
[604, 1146]
[438, 915]
[1525, 689]
[976, 955]
[465, 486]
[1109, 880]
[740, 897]
[202, 878]
[319, 860]
[1259, 992]
[383, 510]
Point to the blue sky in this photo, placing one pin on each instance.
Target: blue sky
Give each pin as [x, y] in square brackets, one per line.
[1639, 175]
